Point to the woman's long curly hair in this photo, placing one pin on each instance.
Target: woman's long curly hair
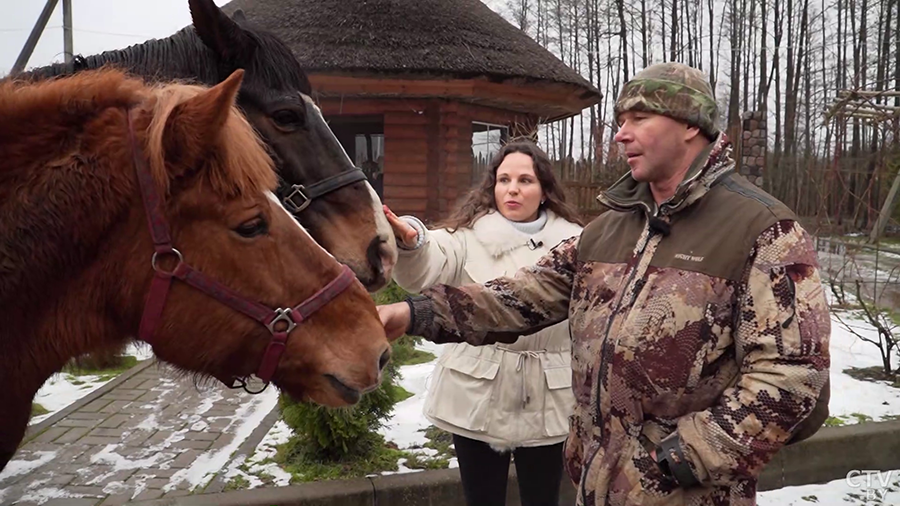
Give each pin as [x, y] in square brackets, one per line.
[481, 200]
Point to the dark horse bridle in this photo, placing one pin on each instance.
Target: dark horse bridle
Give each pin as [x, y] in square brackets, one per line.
[280, 322]
[304, 195]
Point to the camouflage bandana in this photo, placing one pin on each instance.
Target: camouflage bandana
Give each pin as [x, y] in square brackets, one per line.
[674, 90]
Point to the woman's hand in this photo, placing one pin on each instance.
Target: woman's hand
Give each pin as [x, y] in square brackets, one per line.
[404, 232]
[395, 318]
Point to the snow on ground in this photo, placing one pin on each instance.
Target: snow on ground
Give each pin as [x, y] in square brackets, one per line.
[879, 488]
[850, 396]
[878, 400]
[247, 418]
[259, 465]
[19, 467]
[407, 424]
[63, 389]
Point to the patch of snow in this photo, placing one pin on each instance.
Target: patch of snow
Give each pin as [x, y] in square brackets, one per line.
[140, 350]
[149, 423]
[247, 417]
[406, 425]
[63, 389]
[207, 403]
[108, 457]
[401, 468]
[258, 464]
[855, 490]
[18, 467]
[43, 495]
[849, 395]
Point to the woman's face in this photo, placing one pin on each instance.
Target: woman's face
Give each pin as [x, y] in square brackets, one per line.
[517, 190]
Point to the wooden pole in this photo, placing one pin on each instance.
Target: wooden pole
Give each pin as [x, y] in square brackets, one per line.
[887, 208]
[68, 51]
[34, 37]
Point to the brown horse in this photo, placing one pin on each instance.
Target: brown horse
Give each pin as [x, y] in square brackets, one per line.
[131, 210]
[318, 182]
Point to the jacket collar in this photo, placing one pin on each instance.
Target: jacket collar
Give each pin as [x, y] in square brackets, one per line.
[499, 237]
[710, 166]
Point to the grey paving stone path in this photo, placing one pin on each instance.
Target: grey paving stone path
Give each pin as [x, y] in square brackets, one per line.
[146, 436]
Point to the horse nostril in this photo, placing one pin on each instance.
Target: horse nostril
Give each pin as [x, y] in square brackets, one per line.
[385, 357]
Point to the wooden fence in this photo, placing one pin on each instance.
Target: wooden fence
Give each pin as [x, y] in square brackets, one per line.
[583, 182]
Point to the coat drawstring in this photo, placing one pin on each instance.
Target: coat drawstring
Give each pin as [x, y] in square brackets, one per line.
[521, 364]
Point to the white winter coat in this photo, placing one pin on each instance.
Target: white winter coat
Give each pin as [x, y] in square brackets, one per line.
[507, 395]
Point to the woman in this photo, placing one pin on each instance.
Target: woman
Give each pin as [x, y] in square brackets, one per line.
[499, 399]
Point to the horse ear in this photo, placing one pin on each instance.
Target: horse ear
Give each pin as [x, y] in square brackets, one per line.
[220, 33]
[192, 130]
[239, 17]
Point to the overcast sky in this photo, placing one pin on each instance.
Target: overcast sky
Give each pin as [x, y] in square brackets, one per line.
[98, 25]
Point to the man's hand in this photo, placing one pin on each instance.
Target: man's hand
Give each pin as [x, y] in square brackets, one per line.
[395, 318]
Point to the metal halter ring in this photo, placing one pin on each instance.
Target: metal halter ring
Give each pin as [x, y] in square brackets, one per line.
[285, 316]
[297, 189]
[156, 267]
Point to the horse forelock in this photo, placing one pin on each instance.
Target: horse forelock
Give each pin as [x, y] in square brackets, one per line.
[275, 66]
[238, 160]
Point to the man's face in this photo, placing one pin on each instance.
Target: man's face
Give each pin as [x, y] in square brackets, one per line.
[654, 144]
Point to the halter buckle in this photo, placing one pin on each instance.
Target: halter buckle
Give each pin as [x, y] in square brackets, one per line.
[298, 189]
[285, 316]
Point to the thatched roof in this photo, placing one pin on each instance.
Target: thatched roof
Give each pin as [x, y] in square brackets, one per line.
[457, 39]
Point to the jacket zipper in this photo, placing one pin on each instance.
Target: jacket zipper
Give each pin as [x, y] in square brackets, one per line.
[609, 323]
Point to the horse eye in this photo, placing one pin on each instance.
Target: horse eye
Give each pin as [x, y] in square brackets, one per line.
[252, 228]
[287, 118]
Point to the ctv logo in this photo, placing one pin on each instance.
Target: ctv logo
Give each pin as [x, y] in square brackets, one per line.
[874, 484]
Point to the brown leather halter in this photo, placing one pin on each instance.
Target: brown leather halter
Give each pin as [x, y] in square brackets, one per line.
[280, 322]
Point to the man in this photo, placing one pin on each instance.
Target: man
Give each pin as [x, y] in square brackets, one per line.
[699, 324]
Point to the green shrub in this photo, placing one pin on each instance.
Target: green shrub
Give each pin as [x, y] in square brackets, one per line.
[345, 441]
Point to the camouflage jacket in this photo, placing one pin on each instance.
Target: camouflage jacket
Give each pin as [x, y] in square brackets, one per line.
[658, 298]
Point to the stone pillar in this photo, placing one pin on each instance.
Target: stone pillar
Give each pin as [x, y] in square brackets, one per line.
[752, 147]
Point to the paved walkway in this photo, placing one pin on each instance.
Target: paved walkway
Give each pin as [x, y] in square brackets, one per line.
[147, 434]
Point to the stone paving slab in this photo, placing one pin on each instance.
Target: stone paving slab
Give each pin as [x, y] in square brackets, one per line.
[152, 435]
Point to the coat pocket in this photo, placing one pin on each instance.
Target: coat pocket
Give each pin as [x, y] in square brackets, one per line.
[462, 391]
[560, 400]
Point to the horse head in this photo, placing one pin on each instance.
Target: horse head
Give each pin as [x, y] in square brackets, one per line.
[319, 183]
[239, 253]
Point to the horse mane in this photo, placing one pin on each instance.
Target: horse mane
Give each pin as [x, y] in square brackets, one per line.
[38, 111]
[250, 168]
[184, 56]
[54, 135]
[179, 56]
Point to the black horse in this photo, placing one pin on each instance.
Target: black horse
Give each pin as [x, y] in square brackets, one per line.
[319, 183]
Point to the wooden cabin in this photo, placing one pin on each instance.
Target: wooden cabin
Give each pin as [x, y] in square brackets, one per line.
[421, 93]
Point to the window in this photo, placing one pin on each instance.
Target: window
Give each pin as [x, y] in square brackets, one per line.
[487, 139]
[362, 137]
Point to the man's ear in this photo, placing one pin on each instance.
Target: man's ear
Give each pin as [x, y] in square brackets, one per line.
[691, 132]
[193, 128]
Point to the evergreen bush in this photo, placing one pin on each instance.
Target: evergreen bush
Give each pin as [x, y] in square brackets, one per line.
[348, 437]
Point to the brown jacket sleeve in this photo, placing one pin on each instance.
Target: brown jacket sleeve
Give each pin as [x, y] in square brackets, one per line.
[502, 309]
[784, 328]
